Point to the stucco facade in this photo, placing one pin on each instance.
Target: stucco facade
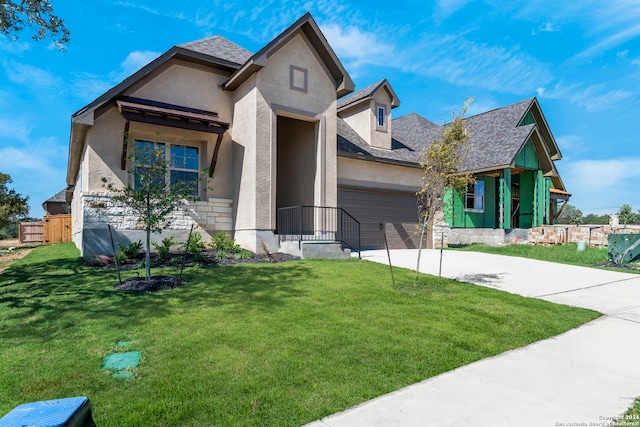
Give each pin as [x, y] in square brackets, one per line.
[275, 129]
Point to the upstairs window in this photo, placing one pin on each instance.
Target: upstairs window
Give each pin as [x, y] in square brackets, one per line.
[474, 197]
[381, 114]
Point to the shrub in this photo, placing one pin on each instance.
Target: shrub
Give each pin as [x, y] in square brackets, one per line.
[223, 242]
[244, 254]
[121, 257]
[131, 250]
[164, 249]
[194, 244]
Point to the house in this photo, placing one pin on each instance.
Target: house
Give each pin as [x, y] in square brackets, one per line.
[57, 204]
[282, 128]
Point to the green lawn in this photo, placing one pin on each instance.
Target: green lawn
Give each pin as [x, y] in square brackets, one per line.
[247, 345]
[565, 254]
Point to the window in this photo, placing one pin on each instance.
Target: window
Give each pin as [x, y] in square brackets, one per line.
[183, 165]
[381, 113]
[474, 198]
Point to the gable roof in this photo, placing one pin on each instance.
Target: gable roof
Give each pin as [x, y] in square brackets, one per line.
[350, 144]
[367, 93]
[307, 25]
[216, 52]
[495, 138]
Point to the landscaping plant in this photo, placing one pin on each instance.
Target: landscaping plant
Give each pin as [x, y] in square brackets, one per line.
[154, 195]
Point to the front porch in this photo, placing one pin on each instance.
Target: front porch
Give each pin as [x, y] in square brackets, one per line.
[317, 232]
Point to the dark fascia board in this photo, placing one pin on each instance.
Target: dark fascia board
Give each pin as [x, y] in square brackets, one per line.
[174, 52]
[553, 148]
[83, 119]
[308, 26]
[546, 163]
[370, 158]
[395, 101]
[545, 131]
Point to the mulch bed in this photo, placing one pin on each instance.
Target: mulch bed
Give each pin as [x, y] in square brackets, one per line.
[160, 283]
[155, 283]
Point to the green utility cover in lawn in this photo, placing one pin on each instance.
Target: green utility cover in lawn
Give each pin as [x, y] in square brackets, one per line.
[120, 361]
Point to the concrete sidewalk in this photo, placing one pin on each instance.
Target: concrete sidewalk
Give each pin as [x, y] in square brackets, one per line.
[587, 375]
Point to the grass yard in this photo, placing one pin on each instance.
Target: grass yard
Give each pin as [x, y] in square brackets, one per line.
[565, 254]
[249, 344]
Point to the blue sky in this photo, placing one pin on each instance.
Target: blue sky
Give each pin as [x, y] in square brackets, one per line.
[581, 59]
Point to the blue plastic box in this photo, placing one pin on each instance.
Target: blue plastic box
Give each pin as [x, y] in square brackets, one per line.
[68, 412]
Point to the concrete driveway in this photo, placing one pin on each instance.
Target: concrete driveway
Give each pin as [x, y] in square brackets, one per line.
[584, 377]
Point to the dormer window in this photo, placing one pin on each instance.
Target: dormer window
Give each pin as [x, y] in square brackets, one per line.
[381, 113]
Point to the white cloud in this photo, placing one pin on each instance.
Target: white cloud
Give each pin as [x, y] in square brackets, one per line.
[600, 184]
[357, 48]
[481, 106]
[463, 62]
[16, 47]
[14, 129]
[570, 142]
[29, 75]
[446, 8]
[612, 41]
[136, 60]
[548, 27]
[89, 86]
[593, 97]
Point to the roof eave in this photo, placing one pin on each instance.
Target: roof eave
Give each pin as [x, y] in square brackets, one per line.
[395, 101]
[371, 158]
[555, 153]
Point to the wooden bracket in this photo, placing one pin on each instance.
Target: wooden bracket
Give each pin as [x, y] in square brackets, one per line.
[214, 158]
[125, 143]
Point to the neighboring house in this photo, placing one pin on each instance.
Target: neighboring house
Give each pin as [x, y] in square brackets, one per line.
[57, 205]
[282, 128]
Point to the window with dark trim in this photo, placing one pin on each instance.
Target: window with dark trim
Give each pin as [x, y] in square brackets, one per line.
[183, 164]
[474, 197]
[380, 113]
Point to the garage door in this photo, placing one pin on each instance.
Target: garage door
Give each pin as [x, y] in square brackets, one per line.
[396, 212]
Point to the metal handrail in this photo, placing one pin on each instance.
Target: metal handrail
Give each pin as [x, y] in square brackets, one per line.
[319, 223]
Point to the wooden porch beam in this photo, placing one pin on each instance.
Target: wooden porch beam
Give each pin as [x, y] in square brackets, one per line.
[125, 144]
[214, 158]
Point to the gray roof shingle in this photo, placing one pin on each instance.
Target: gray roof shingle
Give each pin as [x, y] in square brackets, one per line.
[351, 144]
[495, 138]
[361, 94]
[219, 47]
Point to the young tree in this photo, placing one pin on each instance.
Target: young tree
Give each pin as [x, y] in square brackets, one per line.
[626, 215]
[440, 164]
[38, 15]
[570, 215]
[155, 193]
[13, 206]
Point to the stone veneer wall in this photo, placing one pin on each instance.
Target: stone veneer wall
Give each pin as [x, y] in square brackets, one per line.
[593, 235]
[212, 215]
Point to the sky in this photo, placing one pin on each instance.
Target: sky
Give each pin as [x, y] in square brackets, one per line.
[580, 59]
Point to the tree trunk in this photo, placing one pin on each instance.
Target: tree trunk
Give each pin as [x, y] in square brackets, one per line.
[147, 257]
[415, 280]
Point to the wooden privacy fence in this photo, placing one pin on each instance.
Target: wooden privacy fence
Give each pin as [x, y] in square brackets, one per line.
[31, 232]
[53, 229]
